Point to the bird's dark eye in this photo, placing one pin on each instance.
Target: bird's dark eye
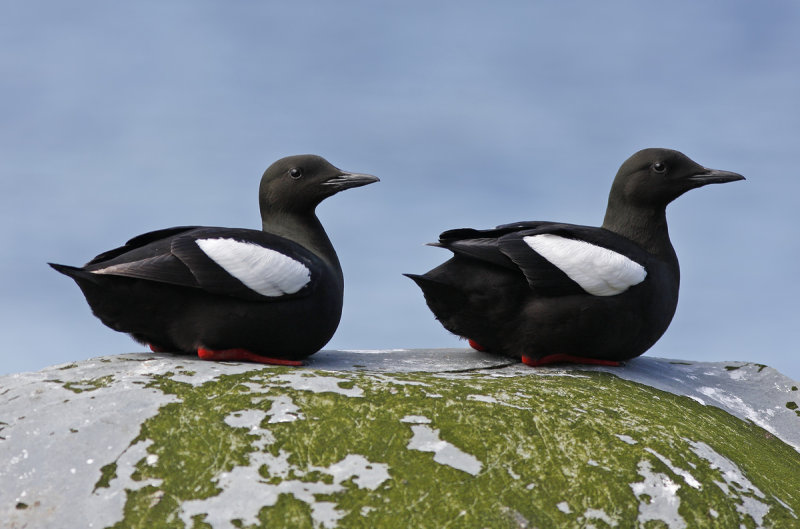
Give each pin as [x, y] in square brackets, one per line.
[659, 167]
[295, 172]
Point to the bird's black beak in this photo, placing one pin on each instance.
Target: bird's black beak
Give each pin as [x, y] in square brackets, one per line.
[347, 180]
[714, 176]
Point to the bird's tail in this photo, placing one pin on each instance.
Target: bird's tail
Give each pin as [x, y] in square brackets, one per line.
[438, 293]
[67, 270]
[448, 304]
[74, 272]
[423, 282]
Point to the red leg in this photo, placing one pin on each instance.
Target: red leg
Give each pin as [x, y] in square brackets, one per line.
[567, 359]
[244, 354]
[157, 348]
[475, 345]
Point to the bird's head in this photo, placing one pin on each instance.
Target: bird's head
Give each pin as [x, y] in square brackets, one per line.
[297, 184]
[656, 177]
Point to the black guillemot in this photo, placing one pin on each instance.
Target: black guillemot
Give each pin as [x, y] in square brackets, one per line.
[271, 296]
[550, 292]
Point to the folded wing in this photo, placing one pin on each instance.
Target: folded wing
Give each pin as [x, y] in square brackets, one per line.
[247, 264]
[556, 259]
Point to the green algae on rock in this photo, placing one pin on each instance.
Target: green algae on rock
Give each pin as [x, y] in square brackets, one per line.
[239, 445]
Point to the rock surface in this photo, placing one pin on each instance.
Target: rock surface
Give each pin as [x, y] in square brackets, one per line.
[404, 438]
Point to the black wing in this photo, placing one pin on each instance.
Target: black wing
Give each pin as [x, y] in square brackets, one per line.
[553, 280]
[477, 244]
[296, 272]
[482, 244]
[278, 268]
[140, 241]
[505, 246]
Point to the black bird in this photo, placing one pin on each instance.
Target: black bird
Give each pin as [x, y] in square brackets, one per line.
[271, 296]
[550, 292]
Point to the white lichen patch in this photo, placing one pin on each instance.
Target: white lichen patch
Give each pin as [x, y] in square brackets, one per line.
[563, 507]
[278, 466]
[599, 514]
[483, 398]
[319, 384]
[625, 438]
[325, 514]
[488, 399]
[753, 508]
[283, 410]
[426, 439]
[239, 488]
[367, 475]
[785, 506]
[126, 467]
[732, 474]
[658, 498]
[687, 477]
[416, 419]
[245, 493]
[386, 379]
[250, 419]
[735, 483]
[195, 372]
[739, 406]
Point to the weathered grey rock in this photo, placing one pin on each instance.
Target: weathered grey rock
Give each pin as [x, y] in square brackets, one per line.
[404, 438]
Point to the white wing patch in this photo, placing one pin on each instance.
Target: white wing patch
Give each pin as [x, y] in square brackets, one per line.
[599, 271]
[266, 271]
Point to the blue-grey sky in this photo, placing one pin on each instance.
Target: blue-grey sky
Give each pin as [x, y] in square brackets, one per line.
[119, 118]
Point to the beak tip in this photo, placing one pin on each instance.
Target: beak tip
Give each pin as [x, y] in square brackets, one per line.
[716, 176]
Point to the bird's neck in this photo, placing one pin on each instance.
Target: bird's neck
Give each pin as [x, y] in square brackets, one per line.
[647, 227]
[307, 231]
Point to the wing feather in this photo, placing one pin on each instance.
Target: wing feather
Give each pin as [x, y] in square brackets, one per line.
[556, 259]
[140, 241]
[246, 264]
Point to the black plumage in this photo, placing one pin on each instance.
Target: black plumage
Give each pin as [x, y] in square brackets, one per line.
[549, 292]
[229, 293]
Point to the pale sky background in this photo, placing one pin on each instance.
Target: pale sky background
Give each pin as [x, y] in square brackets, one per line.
[120, 118]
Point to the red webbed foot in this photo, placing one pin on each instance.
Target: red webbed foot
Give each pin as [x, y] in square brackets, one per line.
[475, 345]
[567, 359]
[157, 348]
[243, 354]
